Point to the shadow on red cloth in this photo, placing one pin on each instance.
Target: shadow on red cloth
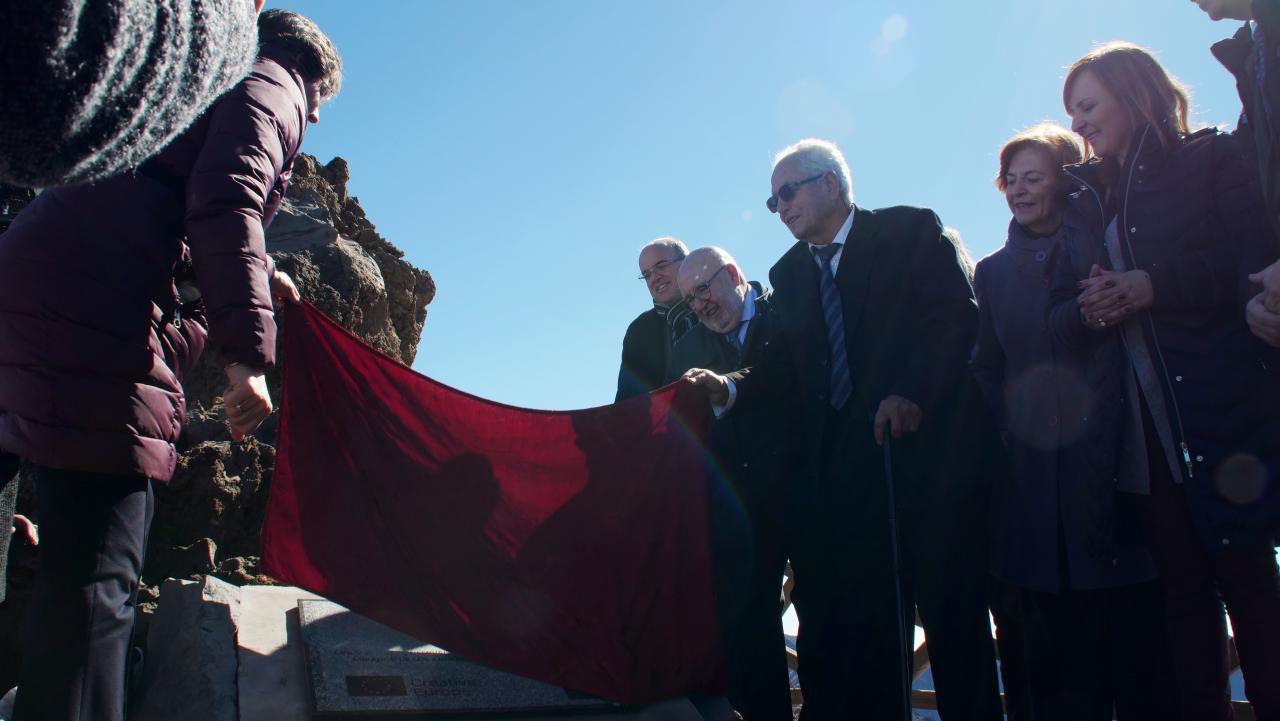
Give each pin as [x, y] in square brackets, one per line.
[569, 547]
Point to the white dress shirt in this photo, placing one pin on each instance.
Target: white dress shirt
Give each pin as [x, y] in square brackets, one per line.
[748, 312]
[841, 236]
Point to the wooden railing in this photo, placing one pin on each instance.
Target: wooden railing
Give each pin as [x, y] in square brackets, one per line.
[925, 699]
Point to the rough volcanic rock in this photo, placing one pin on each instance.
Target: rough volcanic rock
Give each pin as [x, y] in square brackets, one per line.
[323, 240]
[322, 191]
[218, 495]
[210, 511]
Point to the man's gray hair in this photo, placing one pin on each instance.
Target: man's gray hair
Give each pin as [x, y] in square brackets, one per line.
[668, 241]
[820, 156]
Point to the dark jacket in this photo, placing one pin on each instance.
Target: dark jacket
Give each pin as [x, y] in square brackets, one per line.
[647, 346]
[92, 342]
[1259, 128]
[910, 322]
[1191, 216]
[752, 446]
[1058, 500]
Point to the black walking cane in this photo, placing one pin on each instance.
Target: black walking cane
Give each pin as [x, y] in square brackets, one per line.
[900, 619]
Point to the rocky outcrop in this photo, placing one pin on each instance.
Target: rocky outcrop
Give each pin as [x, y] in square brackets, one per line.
[319, 193]
[323, 240]
[208, 518]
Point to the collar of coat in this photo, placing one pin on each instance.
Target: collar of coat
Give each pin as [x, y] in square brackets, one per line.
[862, 229]
[763, 295]
[1234, 52]
[1150, 156]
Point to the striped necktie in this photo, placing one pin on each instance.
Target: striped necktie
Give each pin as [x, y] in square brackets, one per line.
[840, 387]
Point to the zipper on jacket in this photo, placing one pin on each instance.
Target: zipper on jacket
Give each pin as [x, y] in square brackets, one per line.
[1155, 337]
[1096, 195]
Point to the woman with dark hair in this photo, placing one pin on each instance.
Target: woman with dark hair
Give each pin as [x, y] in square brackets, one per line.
[108, 292]
[1074, 593]
[1172, 225]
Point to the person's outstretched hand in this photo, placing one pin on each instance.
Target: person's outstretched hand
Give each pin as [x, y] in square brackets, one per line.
[24, 527]
[283, 290]
[714, 383]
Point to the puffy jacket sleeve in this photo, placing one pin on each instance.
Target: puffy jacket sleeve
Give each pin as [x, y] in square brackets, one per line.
[253, 133]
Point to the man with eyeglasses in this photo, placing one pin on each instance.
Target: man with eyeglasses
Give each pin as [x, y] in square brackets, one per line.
[874, 318]
[647, 343]
[749, 450]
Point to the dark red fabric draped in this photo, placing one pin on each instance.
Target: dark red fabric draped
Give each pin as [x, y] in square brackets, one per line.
[569, 547]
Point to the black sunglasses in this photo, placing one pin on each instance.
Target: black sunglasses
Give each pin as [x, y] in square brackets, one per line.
[787, 192]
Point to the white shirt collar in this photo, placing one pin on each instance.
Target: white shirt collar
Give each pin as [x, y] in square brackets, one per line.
[840, 237]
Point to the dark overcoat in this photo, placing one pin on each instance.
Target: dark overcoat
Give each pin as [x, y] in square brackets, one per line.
[1189, 214]
[910, 322]
[753, 452]
[646, 348]
[1259, 127]
[754, 446]
[1057, 502]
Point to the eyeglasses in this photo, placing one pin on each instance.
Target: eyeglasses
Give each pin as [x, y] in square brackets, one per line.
[659, 266]
[788, 192]
[703, 290]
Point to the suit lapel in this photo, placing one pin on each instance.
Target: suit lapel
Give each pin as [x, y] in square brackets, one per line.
[854, 272]
[720, 356]
[755, 330]
[797, 279]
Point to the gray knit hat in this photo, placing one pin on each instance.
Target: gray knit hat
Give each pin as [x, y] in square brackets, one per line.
[90, 88]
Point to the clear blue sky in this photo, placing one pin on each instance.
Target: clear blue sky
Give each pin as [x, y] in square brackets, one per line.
[522, 152]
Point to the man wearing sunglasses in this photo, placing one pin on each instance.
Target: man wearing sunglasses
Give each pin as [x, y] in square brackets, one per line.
[874, 317]
[647, 343]
[749, 450]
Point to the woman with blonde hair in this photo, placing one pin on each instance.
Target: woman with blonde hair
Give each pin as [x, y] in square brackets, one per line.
[1172, 225]
[1072, 589]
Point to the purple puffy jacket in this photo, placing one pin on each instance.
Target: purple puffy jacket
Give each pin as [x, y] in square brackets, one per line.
[92, 342]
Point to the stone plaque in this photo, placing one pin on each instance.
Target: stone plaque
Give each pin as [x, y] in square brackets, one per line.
[360, 666]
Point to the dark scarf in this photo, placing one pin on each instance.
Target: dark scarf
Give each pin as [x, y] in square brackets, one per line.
[680, 318]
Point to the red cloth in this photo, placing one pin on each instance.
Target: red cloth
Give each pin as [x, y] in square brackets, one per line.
[569, 547]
